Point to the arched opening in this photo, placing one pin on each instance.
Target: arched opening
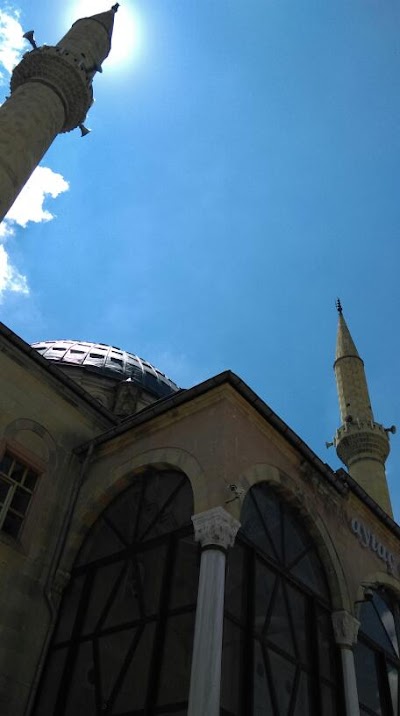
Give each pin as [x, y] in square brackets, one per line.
[124, 637]
[377, 655]
[279, 655]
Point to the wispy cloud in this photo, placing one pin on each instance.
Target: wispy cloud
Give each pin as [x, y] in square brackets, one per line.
[12, 44]
[30, 204]
[10, 278]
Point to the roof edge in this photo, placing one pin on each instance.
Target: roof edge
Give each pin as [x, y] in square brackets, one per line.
[56, 373]
[230, 378]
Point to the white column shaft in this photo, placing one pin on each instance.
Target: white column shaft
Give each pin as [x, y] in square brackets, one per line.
[349, 682]
[205, 682]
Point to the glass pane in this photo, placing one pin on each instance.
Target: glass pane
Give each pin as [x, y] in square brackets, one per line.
[231, 671]
[372, 625]
[387, 620]
[139, 589]
[309, 571]
[21, 500]
[101, 542]
[295, 540]
[185, 574]
[393, 677]
[122, 512]
[166, 507]
[261, 521]
[12, 524]
[113, 651]
[48, 691]
[4, 488]
[329, 707]
[81, 696]
[69, 609]
[261, 695]
[298, 612]
[367, 678]
[5, 464]
[303, 701]
[327, 664]
[30, 480]
[177, 659]
[133, 689]
[104, 583]
[265, 581]
[277, 631]
[127, 603]
[283, 673]
[234, 587]
[17, 471]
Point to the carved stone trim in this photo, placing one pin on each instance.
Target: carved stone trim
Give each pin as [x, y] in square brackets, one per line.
[345, 628]
[215, 527]
[64, 74]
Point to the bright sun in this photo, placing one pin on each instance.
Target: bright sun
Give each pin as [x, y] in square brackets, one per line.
[126, 35]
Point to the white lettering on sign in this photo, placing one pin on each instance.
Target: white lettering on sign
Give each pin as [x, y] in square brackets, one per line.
[369, 540]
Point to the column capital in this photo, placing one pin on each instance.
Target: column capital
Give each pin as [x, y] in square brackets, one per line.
[215, 528]
[345, 628]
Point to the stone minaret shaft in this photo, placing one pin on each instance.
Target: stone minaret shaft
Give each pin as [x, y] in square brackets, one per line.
[51, 92]
[361, 443]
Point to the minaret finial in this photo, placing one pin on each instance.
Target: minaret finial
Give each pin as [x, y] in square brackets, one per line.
[339, 306]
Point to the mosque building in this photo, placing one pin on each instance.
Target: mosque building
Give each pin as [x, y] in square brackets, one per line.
[178, 552]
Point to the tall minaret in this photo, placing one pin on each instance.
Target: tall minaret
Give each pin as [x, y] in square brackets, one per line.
[51, 92]
[361, 443]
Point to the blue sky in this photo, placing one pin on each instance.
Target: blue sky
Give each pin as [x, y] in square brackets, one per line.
[242, 171]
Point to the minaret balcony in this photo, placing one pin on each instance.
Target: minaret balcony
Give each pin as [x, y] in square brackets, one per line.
[362, 440]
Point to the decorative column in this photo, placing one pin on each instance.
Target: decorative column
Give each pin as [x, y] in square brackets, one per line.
[345, 628]
[216, 530]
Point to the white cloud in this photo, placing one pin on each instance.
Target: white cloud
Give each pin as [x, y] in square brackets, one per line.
[12, 44]
[10, 278]
[29, 205]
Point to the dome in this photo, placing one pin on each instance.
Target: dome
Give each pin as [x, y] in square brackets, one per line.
[108, 361]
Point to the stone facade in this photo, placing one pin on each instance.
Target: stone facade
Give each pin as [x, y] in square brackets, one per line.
[219, 434]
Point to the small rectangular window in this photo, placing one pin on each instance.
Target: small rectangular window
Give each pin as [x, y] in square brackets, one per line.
[17, 483]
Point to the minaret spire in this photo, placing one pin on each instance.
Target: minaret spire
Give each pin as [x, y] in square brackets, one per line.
[361, 443]
[51, 93]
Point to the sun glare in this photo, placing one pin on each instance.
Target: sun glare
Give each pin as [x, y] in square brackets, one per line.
[126, 36]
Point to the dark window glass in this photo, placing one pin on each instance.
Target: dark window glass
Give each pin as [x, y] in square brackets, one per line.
[367, 678]
[127, 617]
[21, 500]
[231, 683]
[282, 659]
[377, 655]
[12, 524]
[6, 463]
[4, 488]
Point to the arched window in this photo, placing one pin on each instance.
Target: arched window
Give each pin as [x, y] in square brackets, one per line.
[377, 655]
[123, 642]
[279, 656]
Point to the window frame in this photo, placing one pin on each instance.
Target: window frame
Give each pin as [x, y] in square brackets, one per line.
[20, 455]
